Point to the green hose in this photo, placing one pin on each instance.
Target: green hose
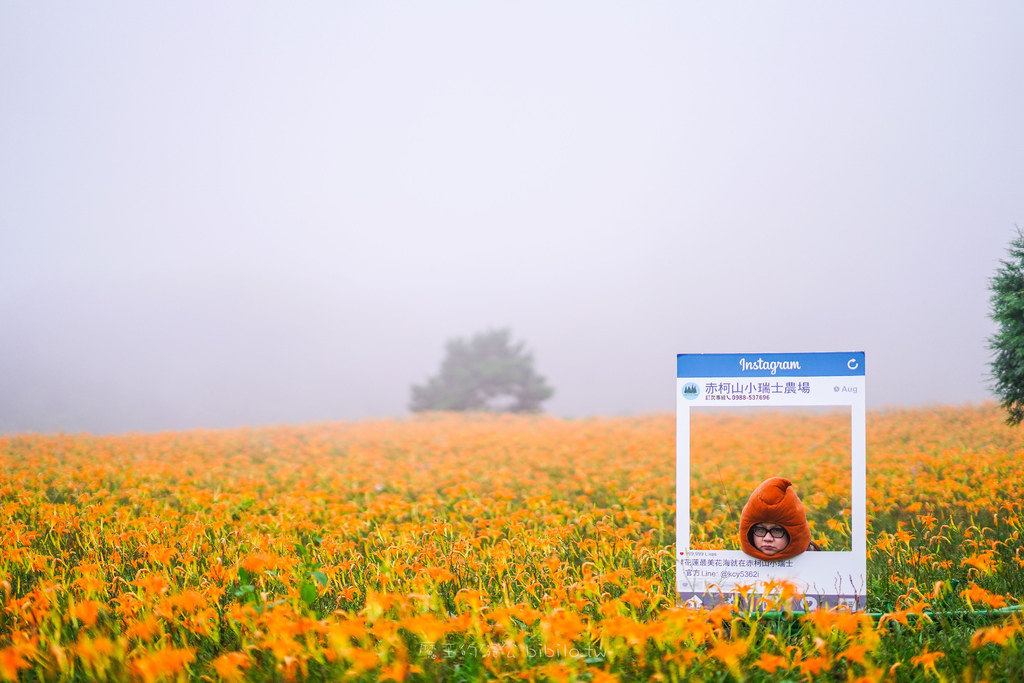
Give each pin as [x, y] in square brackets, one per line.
[878, 615]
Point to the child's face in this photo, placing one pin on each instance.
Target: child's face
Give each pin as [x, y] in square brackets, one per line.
[767, 543]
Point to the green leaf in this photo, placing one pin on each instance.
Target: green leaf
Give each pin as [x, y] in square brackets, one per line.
[243, 576]
[320, 578]
[308, 594]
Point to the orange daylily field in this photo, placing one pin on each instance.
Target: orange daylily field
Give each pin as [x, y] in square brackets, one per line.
[476, 547]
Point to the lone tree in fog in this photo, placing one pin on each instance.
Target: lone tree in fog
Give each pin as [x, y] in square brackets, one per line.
[485, 372]
[1008, 343]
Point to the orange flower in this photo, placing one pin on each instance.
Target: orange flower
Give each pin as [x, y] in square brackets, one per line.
[729, 653]
[86, 612]
[927, 660]
[94, 654]
[362, 660]
[557, 672]
[770, 662]
[11, 661]
[814, 665]
[188, 602]
[561, 629]
[256, 563]
[440, 574]
[160, 555]
[90, 583]
[396, 671]
[999, 635]
[156, 665]
[984, 562]
[826, 621]
[146, 628]
[152, 584]
[426, 626]
[856, 653]
[599, 676]
[976, 594]
[230, 666]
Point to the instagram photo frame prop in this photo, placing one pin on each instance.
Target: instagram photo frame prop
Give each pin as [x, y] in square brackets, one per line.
[771, 391]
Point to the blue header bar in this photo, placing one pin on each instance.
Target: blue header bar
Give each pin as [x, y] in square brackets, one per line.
[770, 364]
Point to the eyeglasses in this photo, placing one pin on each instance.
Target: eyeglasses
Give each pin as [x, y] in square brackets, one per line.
[775, 531]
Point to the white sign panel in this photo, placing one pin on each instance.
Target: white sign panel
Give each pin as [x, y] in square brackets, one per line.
[770, 484]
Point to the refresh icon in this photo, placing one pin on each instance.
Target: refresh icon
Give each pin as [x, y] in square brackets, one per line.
[852, 364]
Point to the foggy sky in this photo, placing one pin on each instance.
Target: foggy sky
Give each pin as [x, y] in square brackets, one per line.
[256, 213]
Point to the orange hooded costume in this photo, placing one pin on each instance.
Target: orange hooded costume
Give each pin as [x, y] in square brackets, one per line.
[775, 501]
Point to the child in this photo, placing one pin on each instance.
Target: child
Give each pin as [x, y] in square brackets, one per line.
[773, 525]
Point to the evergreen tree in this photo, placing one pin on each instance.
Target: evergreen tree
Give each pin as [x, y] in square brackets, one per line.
[485, 372]
[1008, 343]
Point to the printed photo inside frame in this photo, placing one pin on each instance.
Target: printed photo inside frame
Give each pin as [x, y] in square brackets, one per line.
[770, 478]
